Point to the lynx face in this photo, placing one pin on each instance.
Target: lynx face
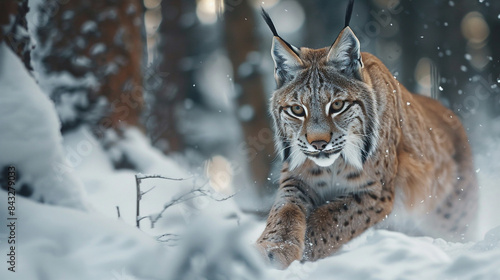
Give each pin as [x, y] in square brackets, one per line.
[322, 109]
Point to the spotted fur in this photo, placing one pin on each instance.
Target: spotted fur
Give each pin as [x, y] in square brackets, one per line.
[387, 158]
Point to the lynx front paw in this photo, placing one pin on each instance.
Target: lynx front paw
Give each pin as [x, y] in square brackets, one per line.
[280, 255]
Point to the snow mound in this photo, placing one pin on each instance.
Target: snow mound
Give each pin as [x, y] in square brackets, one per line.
[61, 243]
[381, 254]
[213, 248]
[30, 139]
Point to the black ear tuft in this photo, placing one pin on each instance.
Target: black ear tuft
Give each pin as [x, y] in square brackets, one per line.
[348, 13]
[269, 22]
[286, 57]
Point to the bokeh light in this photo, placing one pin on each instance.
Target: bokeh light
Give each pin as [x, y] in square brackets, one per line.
[206, 11]
[474, 27]
[423, 73]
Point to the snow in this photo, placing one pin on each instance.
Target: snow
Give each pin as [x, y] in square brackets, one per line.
[391, 255]
[88, 27]
[30, 139]
[97, 49]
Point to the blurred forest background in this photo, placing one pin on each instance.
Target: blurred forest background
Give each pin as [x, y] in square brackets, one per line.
[195, 75]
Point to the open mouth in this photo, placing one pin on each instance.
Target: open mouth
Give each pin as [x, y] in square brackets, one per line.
[323, 154]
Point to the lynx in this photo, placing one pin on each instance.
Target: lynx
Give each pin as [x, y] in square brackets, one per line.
[359, 150]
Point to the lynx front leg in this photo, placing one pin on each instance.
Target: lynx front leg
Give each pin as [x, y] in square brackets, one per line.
[331, 225]
[282, 242]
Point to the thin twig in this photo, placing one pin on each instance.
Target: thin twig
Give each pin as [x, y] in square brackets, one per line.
[142, 218]
[118, 211]
[143, 193]
[184, 198]
[159, 239]
[138, 199]
[224, 198]
[198, 192]
[165, 235]
[142, 176]
[178, 200]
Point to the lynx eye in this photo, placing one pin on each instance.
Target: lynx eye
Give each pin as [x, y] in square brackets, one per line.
[336, 106]
[297, 110]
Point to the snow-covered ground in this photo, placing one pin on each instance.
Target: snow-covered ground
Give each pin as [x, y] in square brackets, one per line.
[204, 236]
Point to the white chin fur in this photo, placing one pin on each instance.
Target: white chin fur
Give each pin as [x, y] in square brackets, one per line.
[297, 157]
[352, 152]
[324, 162]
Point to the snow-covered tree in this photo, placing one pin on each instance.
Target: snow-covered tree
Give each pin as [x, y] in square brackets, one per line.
[32, 155]
[87, 57]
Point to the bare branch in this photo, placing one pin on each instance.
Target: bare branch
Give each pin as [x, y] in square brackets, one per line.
[139, 194]
[185, 197]
[195, 192]
[224, 198]
[118, 211]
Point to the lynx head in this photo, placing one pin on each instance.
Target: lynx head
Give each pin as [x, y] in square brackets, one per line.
[322, 108]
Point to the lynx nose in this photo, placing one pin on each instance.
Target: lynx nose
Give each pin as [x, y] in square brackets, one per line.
[319, 145]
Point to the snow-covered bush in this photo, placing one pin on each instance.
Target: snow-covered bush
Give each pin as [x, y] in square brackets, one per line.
[30, 140]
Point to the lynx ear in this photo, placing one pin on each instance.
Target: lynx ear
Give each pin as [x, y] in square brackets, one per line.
[286, 61]
[345, 54]
[286, 57]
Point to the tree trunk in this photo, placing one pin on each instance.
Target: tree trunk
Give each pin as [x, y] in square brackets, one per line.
[8, 9]
[170, 84]
[88, 58]
[241, 43]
